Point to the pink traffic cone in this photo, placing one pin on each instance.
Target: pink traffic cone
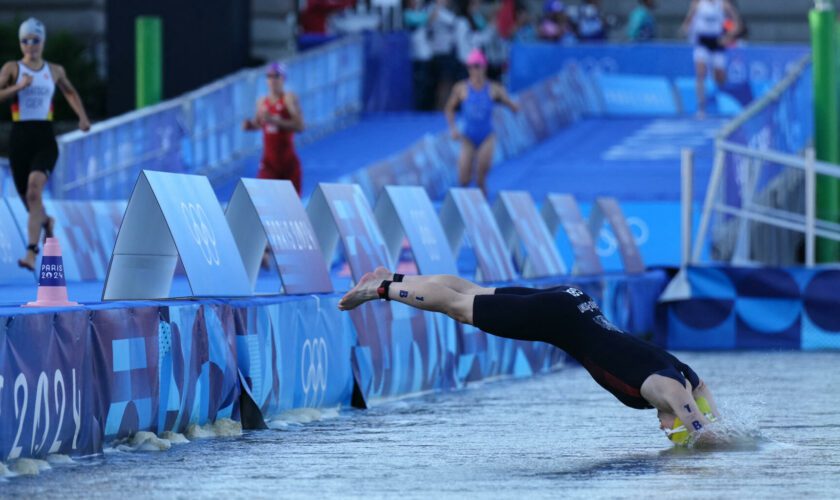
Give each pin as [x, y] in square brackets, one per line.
[52, 288]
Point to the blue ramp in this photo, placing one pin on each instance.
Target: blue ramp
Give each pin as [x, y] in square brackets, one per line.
[632, 159]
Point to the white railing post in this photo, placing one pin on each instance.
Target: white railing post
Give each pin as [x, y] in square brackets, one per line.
[810, 206]
[708, 204]
[687, 196]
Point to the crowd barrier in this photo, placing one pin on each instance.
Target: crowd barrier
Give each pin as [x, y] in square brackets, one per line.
[753, 308]
[201, 132]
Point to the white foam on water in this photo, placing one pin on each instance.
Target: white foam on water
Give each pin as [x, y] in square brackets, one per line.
[59, 459]
[224, 427]
[144, 441]
[300, 416]
[28, 466]
[174, 437]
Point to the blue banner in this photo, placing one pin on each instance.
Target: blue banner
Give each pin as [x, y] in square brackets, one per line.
[756, 66]
[753, 308]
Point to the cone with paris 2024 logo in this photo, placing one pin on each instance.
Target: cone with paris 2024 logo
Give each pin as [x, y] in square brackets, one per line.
[52, 288]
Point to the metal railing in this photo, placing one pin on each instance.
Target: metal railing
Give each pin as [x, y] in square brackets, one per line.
[765, 177]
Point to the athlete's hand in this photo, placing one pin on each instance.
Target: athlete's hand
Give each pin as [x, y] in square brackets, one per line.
[247, 124]
[25, 82]
[84, 124]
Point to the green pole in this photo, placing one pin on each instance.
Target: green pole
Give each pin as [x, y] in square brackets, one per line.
[824, 41]
[148, 37]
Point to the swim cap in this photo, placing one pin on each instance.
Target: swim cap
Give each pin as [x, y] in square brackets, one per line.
[476, 58]
[32, 26]
[276, 68]
[679, 433]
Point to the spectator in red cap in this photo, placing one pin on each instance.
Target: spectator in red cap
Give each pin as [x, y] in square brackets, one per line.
[279, 117]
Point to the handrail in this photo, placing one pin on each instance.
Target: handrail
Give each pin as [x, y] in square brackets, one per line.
[807, 224]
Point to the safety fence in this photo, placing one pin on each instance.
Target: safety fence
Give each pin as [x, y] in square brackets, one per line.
[201, 132]
[761, 194]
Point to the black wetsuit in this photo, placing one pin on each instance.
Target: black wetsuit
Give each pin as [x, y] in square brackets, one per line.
[570, 320]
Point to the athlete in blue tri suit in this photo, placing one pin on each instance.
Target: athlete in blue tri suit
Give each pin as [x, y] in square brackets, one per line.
[476, 96]
[641, 375]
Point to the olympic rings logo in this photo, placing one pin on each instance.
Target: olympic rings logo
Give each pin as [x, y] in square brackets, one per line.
[608, 243]
[201, 231]
[314, 366]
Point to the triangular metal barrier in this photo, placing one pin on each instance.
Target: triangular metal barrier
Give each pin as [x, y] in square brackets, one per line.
[171, 216]
[341, 211]
[406, 212]
[526, 235]
[465, 212]
[268, 212]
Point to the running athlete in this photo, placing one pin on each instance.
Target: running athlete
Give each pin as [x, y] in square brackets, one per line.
[32, 147]
[476, 96]
[639, 374]
[705, 22]
[279, 117]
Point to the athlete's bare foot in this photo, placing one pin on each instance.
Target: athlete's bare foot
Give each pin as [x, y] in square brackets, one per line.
[364, 291]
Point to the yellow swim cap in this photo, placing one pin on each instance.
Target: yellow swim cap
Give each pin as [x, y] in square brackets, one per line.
[679, 433]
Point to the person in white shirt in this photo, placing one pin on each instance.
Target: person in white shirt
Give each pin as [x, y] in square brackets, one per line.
[705, 25]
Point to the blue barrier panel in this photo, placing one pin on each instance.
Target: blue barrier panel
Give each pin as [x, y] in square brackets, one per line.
[627, 95]
[269, 211]
[172, 216]
[407, 212]
[296, 354]
[527, 235]
[47, 394]
[755, 65]
[753, 308]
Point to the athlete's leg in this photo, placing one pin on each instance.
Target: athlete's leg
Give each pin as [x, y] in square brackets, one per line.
[426, 295]
[465, 162]
[37, 214]
[457, 284]
[485, 161]
[719, 63]
[512, 316]
[700, 68]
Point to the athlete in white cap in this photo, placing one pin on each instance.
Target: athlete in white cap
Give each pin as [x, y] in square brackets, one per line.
[31, 82]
